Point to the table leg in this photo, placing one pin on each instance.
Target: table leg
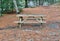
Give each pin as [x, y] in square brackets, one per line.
[20, 23]
[20, 26]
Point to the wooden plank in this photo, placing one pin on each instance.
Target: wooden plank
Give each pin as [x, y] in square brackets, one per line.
[34, 18]
[26, 22]
[30, 19]
[29, 15]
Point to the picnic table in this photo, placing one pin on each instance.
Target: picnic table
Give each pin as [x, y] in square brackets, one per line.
[30, 19]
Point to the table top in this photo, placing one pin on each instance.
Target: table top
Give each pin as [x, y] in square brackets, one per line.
[18, 15]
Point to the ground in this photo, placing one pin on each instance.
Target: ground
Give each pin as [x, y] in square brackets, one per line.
[46, 33]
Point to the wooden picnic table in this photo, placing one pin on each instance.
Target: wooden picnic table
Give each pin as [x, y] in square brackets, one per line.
[30, 19]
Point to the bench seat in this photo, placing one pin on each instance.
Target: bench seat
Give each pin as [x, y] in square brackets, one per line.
[30, 22]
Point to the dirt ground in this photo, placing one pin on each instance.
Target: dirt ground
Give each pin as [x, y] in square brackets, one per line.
[47, 33]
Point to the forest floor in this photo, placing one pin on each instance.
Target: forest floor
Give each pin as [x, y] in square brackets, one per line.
[49, 32]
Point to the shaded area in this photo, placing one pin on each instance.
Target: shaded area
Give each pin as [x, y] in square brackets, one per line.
[53, 25]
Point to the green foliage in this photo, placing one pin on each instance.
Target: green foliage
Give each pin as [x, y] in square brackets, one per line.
[8, 5]
[58, 1]
[21, 3]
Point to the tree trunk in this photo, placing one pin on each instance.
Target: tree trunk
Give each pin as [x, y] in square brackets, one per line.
[26, 3]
